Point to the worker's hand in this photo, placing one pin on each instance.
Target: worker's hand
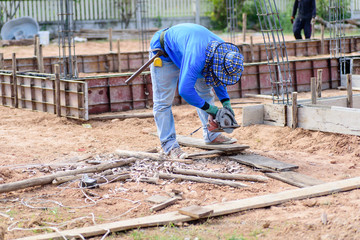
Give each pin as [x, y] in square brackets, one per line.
[226, 104]
[212, 110]
[292, 20]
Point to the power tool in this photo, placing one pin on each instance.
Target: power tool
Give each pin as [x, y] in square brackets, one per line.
[224, 121]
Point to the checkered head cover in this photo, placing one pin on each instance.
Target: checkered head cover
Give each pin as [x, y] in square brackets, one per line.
[223, 64]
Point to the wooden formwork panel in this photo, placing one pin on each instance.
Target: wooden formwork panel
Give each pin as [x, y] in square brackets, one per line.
[6, 90]
[131, 61]
[303, 71]
[112, 94]
[38, 93]
[73, 95]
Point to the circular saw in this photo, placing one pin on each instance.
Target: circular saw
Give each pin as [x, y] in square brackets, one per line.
[224, 121]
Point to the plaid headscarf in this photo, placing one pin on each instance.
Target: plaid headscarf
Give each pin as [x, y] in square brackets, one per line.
[223, 64]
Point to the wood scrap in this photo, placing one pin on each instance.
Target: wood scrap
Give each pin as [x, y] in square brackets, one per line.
[249, 102]
[152, 180]
[163, 205]
[258, 96]
[294, 178]
[147, 155]
[227, 176]
[157, 199]
[206, 153]
[219, 210]
[7, 187]
[112, 178]
[259, 161]
[202, 180]
[196, 211]
[120, 116]
[199, 143]
[106, 176]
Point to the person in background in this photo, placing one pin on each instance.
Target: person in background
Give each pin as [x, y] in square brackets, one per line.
[196, 61]
[306, 15]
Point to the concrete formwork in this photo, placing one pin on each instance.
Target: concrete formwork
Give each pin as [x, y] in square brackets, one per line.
[38, 92]
[100, 94]
[328, 115]
[131, 61]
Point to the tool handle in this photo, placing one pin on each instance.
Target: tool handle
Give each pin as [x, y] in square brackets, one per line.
[140, 70]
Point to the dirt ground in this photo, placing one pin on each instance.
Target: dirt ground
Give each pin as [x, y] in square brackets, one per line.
[34, 144]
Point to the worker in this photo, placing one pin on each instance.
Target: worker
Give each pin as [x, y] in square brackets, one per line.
[197, 61]
[306, 16]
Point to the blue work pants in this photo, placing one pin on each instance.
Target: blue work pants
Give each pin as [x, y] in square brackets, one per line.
[164, 83]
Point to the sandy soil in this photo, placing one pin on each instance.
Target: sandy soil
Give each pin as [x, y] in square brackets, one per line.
[34, 144]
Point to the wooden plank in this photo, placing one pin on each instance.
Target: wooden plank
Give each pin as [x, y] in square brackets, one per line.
[202, 180]
[294, 109]
[57, 90]
[1, 60]
[120, 116]
[294, 178]
[350, 102]
[319, 82]
[163, 205]
[258, 96]
[196, 211]
[199, 143]
[219, 210]
[252, 115]
[330, 119]
[7, 187]
[259, 161]
[227, 176]
[275, 115]
[157, 199]
[206, 153]
[14, 81]
[313, 90]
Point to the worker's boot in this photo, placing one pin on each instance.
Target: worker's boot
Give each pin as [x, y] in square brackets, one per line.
[177, 153]
[221, 139]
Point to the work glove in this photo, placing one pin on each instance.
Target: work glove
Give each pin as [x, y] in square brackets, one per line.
[226, 104]
[292, 20]
[212, 110]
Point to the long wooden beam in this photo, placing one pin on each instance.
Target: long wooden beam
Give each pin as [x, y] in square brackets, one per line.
[219, 209]
[32, 182]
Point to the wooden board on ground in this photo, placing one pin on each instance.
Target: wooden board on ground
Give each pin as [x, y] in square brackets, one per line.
[206, 153]
[294, 178]
[196, 211]
[157, 199]
[199, 143]
[259, 161]
[219, 210]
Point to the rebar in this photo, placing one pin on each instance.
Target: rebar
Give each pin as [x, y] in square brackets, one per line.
[231, 17]
[337, 28]
[66, 39]
[143, 26]
[275, 48]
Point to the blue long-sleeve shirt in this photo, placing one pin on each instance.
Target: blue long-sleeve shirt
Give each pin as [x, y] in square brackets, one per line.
[185, 45]
[307, 8]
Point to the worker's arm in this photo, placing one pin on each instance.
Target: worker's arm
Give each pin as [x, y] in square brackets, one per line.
[295, 7]
[314, 8]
